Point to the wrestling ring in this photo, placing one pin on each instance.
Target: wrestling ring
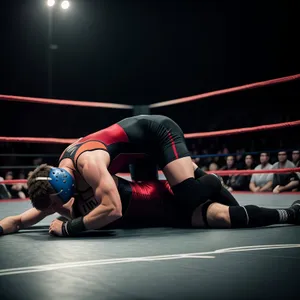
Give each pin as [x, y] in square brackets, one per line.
[153, 263]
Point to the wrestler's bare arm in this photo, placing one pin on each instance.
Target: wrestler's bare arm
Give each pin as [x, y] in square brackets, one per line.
[195, 166]
[93, 167]
[28, 218]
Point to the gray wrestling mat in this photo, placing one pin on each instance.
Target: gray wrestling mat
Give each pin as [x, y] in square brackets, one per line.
[156, 263]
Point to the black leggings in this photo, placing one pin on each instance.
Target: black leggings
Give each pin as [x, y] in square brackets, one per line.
[158, 136]
[223, 197]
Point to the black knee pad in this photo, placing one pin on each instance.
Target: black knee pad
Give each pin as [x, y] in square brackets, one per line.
[238, 217]
[211, 185]
[224, 197]
[191, 192]
[249, 216]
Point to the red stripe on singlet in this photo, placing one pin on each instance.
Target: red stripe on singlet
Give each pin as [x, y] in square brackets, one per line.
[173, 145]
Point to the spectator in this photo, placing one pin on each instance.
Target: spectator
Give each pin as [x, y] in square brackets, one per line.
[213, 167]
[4, 194]
[205, 161]
[239, 160]
[16, 189]
[37, 161]
[259, 182]
[283, 182]
[249, 162]
[9, 176]
[217, 160]
[23, 186]
[225, 150]
[241, 182]
[230, 165]
[296, 158]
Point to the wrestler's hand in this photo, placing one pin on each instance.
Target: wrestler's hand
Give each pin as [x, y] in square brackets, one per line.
[56, 228]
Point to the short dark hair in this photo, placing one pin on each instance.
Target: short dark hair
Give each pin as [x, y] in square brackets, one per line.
[40, 190]
[282, 152]
[267, 153]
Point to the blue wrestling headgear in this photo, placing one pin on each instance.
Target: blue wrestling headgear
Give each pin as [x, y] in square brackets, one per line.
[62, 182]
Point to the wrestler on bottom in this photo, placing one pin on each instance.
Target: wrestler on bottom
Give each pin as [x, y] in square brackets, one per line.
[152, 203]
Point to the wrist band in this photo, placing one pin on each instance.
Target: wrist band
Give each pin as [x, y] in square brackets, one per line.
[1, 230]
[74, 227]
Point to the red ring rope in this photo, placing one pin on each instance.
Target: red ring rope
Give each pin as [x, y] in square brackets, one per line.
[64, 102]
[187, 135]
[241, 130]
[36, 140]
[225, 91]
[154, 105]
[172, 102]
[250, 172]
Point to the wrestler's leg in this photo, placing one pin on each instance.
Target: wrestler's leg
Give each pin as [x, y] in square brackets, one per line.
[216, 215]
[224, 197]
[179, 170]
[176, 163]
[191, 192]
[170, 147]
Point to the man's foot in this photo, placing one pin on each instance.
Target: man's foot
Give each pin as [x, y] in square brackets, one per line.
[295, 207]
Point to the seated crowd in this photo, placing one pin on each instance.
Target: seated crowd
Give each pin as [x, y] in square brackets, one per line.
[267, 182]
[13, 191]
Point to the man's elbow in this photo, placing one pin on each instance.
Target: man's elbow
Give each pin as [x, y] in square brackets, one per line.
[115, 210]
[114, 204]
[116, 213]
[296, 183]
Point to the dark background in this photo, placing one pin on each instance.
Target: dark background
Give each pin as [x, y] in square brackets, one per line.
[142, 52]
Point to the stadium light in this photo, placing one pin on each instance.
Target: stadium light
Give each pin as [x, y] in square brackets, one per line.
[65, 4]
[50, 2]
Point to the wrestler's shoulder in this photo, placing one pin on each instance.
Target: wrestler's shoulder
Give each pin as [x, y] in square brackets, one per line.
[80, 146]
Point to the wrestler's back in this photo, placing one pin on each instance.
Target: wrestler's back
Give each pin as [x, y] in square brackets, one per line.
[151, 205]
[136, 137]
[133, 129]
[112, 139]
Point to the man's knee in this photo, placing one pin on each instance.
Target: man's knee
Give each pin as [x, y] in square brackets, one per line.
[192, 192]
[218, 216]
[211, 215]
[199, 216]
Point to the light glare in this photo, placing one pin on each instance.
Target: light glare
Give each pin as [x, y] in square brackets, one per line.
[50, 2]
[65, 4]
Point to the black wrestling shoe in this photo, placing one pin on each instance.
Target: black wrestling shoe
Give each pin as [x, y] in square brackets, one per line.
[296, 208]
